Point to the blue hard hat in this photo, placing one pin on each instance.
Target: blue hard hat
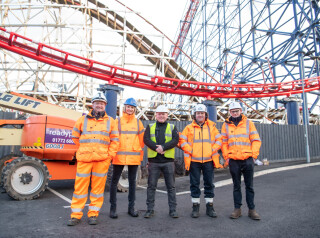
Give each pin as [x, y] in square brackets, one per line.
[131, 102]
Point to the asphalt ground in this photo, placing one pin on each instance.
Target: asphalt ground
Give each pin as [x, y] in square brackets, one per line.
[288, 202]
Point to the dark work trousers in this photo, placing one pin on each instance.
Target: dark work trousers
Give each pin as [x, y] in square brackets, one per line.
[245, 167]
[132, 174]
[168, 171]
[195, 173]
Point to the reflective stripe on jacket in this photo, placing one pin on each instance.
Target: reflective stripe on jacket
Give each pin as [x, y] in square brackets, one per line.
[168, 135]
[98, 140]
[201, 144]
[240, 142]
[131, 132]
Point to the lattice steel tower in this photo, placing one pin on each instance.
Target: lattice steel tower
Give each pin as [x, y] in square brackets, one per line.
[251, 42]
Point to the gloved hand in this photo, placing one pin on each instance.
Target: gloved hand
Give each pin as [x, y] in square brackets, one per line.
[226, 163]
[187, 162]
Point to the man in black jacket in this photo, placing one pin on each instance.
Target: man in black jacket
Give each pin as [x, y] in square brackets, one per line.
[161, 138]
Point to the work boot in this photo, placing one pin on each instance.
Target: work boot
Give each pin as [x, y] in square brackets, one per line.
[132, 212]
[93, 220]
[149, 213]
[236, 213]
[173, 214]
[113, 212]
[210, 210]
[253, 214]
[73, 222]
[195, 210]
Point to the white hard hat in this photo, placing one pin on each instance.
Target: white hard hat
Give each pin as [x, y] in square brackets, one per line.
[234, 105]
[162, 108]
[200, 108]
[99, 97]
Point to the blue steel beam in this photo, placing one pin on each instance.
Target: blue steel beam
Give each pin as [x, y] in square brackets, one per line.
[253, 33]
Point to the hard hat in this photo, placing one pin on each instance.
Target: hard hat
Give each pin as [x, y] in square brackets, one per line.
[131, 102]
[162, 108]
[99, 97]
[200, 108]
[234, 105]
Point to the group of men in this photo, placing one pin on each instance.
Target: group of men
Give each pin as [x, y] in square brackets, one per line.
[103, 140]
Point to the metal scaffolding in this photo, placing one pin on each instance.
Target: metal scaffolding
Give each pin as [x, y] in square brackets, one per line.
[251, 42]
[231, 42]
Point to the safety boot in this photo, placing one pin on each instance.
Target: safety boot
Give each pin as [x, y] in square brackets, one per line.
[173, 214]
[113, 212]
[236, 213]
[253, 214]
[210, 210]
[132, 212]
[149, 213]
[73, 222]
[93, 220]
[195, 210]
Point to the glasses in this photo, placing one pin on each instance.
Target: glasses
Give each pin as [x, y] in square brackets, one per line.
[234, 111]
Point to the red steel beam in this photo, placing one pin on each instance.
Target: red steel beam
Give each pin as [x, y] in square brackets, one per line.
[112, 74]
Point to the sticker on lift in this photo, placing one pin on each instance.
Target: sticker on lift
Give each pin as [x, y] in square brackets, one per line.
[54, 146]
[58, 136]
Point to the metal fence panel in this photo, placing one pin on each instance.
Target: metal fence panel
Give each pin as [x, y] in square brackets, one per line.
[279, 142]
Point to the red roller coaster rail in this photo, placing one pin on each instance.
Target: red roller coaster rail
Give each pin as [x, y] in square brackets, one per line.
[49, 55]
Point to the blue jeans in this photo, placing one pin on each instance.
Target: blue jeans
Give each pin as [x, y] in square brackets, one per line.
[168, 171]
[132, 174]
[195, 173]
[245, 167]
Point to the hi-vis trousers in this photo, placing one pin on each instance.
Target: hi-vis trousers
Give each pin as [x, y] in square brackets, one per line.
[97, 171]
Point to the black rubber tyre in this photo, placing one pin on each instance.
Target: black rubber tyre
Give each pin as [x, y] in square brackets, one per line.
[109, 177]
[179, 166]
[2, 160]
[123, 185]
[25, 178]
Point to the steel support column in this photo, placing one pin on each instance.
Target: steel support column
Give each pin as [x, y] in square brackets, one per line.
[111, 93]
[212, 109]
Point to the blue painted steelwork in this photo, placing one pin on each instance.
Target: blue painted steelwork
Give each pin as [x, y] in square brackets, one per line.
[212, 109]
[254, 33]
[293, 114]
[111, 93]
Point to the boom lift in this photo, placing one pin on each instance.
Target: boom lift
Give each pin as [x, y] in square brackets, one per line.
[45, 140]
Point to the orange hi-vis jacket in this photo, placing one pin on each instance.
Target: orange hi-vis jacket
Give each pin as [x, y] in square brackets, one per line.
[98, 140]
[201, 144]
[240, 142]
[131, 131]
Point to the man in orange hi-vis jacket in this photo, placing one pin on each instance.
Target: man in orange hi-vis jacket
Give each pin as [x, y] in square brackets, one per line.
[130, 153]
[98, 138]
[200, 142]
[240, 147]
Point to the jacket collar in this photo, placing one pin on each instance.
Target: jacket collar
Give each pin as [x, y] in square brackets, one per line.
[128, 117]
[207, 122]
[91, 116]
[243, 119]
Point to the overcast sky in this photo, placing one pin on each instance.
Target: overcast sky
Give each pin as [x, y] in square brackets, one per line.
[165, 15]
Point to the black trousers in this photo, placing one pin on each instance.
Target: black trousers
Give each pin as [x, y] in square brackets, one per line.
[245, 167]
[154, 170]
[195, 174]
[132, 174]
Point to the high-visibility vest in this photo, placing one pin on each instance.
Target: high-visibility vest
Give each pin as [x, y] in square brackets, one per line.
[168, 136]
[98, 139]
[240, 142]
[131, 132]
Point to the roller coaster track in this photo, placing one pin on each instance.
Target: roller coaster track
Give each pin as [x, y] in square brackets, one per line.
[62, 59]
[135, 38]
